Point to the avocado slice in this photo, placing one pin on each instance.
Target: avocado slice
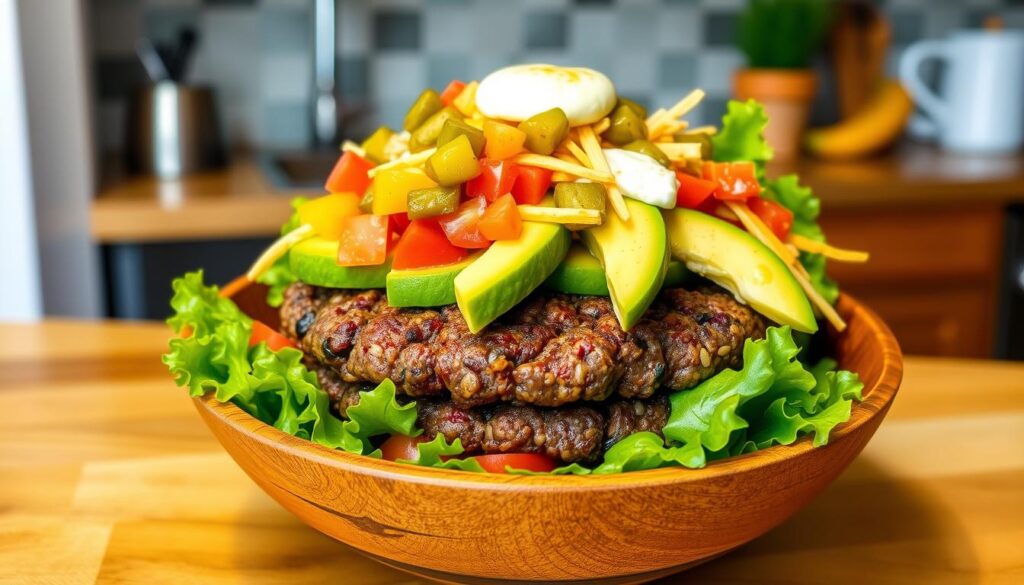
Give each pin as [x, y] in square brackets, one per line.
[315, 261]
[581, 274]
[635, 257]
[508, 271]
[425, 287]
[735, 260]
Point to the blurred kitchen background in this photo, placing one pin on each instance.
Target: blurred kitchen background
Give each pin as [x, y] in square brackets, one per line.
[269, 88]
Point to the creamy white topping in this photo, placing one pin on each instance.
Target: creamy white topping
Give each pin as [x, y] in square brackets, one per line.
[518, 92]
[640, 177]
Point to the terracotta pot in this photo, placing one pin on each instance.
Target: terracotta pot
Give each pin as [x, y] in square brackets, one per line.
[786, 95]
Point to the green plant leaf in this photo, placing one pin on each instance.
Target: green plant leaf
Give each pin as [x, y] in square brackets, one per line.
[379, 413]
[279, 276]
[433, 452]
[646, 450]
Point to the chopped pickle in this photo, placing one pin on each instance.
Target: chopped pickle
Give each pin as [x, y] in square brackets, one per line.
[453, 163]
[454, 128]
[637, 108]
[366, 203]
[545, 131]
[425, 106]
[426, 135]
[650, 149]
[581, 196]
[433, 201]
[375, 146]
[703, 140]
[626, 126]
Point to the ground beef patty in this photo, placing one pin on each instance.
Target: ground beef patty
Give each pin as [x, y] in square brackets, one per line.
[567, 434]
[550, 351]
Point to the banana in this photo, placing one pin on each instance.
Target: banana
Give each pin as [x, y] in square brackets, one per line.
[874, 127]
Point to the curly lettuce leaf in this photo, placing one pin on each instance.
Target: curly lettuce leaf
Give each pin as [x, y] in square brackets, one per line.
[433, 453]
[741, 137]
[773, 399]
[273, 386]
[280, 274]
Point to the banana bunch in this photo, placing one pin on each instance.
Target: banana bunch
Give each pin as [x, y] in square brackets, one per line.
[876, 125]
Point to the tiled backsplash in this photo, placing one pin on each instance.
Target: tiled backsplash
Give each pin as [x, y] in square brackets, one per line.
[257, 53]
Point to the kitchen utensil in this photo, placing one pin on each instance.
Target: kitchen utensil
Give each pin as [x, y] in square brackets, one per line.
[980, 106]
[626, 528]
[173, 130]
[152, 62]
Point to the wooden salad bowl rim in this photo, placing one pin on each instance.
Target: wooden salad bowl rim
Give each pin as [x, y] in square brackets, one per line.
[877, 398]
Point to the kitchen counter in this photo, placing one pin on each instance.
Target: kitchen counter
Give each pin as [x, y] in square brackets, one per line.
[110, 476]
[240, 202]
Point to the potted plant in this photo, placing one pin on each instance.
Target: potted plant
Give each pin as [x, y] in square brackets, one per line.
[779, 39]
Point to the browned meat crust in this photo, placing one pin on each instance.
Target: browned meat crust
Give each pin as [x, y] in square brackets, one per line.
[626, 417]
[552, 350]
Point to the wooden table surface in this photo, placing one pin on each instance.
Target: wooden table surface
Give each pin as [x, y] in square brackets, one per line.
[107, 475]
[240, 202]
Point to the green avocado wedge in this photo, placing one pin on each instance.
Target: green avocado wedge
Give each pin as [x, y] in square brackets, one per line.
[735, 260]
[581, 274]
[508, 271]
[315, 261]
[425, 287]
[634, 255]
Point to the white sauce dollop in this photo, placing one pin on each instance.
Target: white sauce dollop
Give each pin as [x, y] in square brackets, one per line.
[640, 177]
[518, 92]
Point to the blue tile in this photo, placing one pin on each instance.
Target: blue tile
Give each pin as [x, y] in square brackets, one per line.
[286, 125]
[396, 29]
[720, 29]
[546, 30]
[907, 27]
[677, 71]
[594, 3]
[441, 69]
[285, 28]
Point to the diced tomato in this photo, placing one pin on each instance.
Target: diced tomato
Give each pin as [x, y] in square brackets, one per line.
[693, 191]
[325, 213]
[452, 91]
[495, 179]
[463, 226]
[775, 216]
[737, 181]
[399, 222]
[349, 174]
[364, 240]
[275, 341]
[531, 185]
[501, 221]
[401, 447]
[497, 462]
[425, 244]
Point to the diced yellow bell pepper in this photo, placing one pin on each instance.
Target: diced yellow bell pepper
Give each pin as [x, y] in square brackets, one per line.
[391, 189]
[465, 102]
[325, 214]
[502, 141]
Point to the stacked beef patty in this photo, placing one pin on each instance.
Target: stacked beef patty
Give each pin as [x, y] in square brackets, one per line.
[556, 375]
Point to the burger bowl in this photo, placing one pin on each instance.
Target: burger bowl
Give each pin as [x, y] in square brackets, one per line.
[632, 527]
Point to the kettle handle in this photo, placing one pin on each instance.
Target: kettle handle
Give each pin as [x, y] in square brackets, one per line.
[930, 103]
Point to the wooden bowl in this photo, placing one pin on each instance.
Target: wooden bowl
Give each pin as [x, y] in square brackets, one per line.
[626, 528]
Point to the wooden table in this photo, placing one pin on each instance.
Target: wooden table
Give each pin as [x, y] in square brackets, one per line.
[108, 475]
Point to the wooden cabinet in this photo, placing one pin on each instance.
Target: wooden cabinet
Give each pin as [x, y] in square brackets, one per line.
[934, 273]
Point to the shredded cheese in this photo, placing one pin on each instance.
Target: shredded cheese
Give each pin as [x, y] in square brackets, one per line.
[591, 146]
[579, 154]
[601, 125]
[554, 164]
[562, 215]
[664, 121]
[711, 130]
[759, 230]
[831, 252]
[349, 146]
[278, 249]
[409, 160]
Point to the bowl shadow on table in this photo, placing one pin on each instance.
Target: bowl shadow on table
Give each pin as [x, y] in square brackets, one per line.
[866, 519]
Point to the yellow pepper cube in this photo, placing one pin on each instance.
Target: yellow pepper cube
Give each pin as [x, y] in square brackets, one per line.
[502, 141]
[391, 189]
[326, 213]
